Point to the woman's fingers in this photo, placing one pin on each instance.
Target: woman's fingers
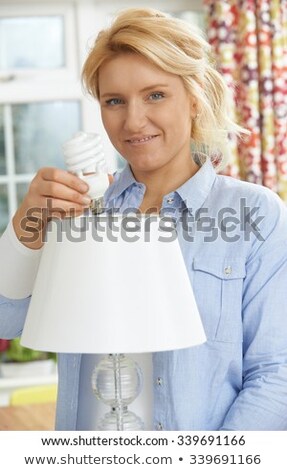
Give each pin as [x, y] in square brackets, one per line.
[54, 191]
[53, 187]
[63, 177]
[52, 206]
[50, 189]
[60, 185]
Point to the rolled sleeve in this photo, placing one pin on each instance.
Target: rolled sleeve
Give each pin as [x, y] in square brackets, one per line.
[12, 316]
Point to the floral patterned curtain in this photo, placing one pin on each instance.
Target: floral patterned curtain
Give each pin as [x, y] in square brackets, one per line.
[249, 38]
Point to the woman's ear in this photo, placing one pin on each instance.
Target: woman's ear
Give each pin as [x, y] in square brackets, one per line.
[193, 108]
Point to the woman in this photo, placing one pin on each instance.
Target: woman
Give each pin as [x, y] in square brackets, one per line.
[160, 97]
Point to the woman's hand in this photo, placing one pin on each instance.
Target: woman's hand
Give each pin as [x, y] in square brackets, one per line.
[52, 193]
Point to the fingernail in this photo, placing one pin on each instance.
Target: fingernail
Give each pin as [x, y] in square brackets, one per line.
[83, 187]
[86, 200]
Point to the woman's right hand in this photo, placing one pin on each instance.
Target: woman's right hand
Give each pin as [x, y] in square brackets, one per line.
[52, 193]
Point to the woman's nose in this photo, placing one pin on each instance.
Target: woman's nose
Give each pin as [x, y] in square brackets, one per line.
[135, 117]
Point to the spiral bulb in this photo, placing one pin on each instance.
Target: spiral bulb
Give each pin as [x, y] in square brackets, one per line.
[84, 157]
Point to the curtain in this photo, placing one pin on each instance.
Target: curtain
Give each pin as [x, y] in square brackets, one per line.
[249, 39]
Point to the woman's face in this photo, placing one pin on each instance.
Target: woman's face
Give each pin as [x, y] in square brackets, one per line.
[146, 112]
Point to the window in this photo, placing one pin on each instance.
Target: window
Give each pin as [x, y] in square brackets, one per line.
[40, 96]
[32, 42]
[37, 41]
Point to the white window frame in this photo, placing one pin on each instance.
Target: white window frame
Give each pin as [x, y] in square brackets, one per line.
[47, 84]
[31, 10]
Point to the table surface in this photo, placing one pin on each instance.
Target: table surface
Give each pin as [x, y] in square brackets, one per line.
[28, 417]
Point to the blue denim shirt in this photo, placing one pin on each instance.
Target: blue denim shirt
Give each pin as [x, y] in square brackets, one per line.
[233, 237]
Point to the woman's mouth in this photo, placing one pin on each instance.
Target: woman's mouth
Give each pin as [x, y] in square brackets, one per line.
[141, 139]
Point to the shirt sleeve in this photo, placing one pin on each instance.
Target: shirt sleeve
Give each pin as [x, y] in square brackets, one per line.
[12, 316]
[18, 266]
[262, 402]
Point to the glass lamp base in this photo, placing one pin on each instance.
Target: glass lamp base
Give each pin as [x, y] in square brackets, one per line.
[117, 381]
[129, 421]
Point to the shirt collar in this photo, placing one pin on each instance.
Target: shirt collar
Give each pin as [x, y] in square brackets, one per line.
[123, 181]
[193, 192]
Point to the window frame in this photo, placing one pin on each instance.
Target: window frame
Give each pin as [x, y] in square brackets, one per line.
[64, 10]
[49, 85]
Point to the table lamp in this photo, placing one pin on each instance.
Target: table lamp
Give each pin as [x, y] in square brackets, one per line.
[113, 284]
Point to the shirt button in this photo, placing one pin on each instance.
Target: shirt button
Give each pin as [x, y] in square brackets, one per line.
[170, 200]
[159, 427]
[228, 270]
[159, 381]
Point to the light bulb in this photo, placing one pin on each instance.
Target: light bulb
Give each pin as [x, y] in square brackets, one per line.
[84, 157]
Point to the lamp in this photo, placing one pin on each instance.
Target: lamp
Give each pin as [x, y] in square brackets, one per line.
[113, 284]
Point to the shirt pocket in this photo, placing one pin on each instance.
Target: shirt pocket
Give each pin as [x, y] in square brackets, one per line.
[218, 285]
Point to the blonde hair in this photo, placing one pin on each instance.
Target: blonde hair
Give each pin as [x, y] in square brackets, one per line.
[178, 48]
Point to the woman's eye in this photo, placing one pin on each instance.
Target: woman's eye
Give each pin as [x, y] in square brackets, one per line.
[113, 101]
[156, 96]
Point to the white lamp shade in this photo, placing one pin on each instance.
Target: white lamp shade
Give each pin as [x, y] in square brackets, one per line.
[111, 296]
